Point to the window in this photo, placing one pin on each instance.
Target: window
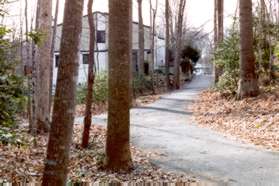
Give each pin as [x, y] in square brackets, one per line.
[57, 60]
[85, 58]
[101, 36]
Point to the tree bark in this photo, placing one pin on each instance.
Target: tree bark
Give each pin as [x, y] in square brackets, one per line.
[215, 23]
[167, 54]
[118, 155]
[219, 31]
[141, 40]
[153, 13]
[248, 84]
[44, 61]
[220, 20]
[91, 77]
[28, 65]
[179, 29]
[55, 172]
[34, 76]
[53, 40]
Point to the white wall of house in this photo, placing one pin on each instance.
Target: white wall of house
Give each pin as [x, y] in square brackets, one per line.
[101, 49]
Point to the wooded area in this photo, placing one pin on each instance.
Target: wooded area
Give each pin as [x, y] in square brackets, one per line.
[52, 118]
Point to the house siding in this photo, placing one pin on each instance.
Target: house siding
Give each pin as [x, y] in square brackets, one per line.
[101, 49]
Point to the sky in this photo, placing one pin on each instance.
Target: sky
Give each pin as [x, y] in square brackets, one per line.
[199, 12]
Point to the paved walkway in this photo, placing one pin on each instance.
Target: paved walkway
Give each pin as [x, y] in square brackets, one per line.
[167, 126]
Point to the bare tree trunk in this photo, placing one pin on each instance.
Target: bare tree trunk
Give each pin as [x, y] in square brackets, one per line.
[55, 172]
[248, 85]
[141, 40]
[261, 32]
[44, 61]
[118, 155]
[52, 52]
[219, 31]
[220, 20]
[91, 77]
[28, 65]
[215, 23]
[34, 93]
[167, 53]
[153, 13]
[269, 38]
[179, 29]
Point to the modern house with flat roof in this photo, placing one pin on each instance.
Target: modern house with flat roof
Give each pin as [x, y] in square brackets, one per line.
[101, 47]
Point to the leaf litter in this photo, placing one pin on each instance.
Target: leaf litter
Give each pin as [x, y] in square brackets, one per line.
[253, 120]
[25, 163]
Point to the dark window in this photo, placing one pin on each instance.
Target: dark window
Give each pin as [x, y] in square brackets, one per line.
[57, 60]
[85, 58]
[101, 36]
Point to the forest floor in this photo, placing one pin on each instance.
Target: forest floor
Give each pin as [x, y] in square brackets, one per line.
[102, 107]
[167, 127]
[254, 120]
[25, 162]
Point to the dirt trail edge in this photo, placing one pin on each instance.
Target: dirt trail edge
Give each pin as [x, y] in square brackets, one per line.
[167, 127]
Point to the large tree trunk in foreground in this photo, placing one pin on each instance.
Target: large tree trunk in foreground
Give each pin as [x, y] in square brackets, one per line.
[55, 172]
[141, 40]
[118, 155]
[44, 61]
[91, 77]
[248, 85]
[178, 46]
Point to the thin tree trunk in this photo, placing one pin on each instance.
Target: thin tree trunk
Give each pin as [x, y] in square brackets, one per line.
[52, 52]
[28, 65]
[34, 81]
[118, 155]
[153, 13]
[44, 61]
[91, 77]
[215, 23]
[97, 62]
[248, 85]
[167, 53]
[220, 20]
[55, 172]
[218, 31]
[141, 40]
[179, 29]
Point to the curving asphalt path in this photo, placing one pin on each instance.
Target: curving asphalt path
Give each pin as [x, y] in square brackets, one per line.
[167, 127]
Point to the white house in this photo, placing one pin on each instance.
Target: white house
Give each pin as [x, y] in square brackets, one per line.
[101, 47]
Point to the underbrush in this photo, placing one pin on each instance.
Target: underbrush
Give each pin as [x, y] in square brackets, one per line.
[142, 86]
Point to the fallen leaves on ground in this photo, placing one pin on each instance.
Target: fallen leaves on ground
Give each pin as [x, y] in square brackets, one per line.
[255, 120]
[25, 163]
[99, 108]
[145, 100]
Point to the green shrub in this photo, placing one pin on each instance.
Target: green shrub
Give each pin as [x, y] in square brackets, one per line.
[100, 91]
[227, 57]
[141, 84]
[12, 97]
[7, 137]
